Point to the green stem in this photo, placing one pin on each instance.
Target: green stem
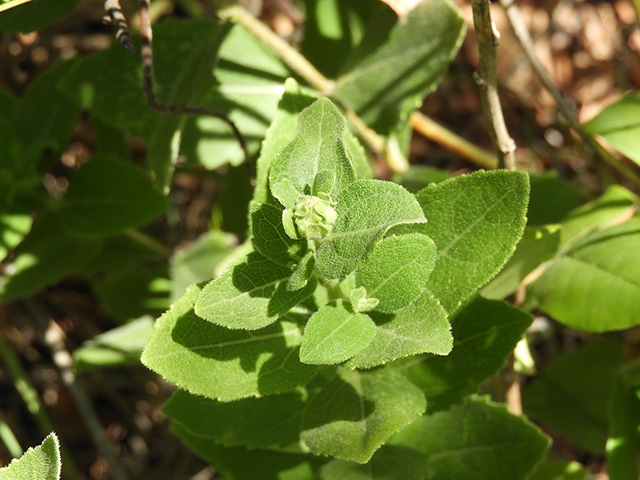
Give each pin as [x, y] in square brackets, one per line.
[439, 134]
[148, 241]
[9, 439]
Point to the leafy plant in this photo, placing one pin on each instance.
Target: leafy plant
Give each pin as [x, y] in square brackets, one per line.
[328, 324]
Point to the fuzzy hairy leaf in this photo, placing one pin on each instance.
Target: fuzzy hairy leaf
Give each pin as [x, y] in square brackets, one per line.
[39, 463]
[224, 364]
[269, 237]
[251, 294]
[485, 332]
[366, 210]
[475, 220]
[253, 422]
[392, 80]
[108, 196]
[477, 440]
[355, 413]
[334, 334]
[417, 328]
[595, 285]
[318, 148]
[388, 463]
[397, 269]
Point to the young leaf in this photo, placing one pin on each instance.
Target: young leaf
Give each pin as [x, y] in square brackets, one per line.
[393, 79]
[388, 463]
[485, 332]
[355, 413]
[39, 463]
[254, 422]
[475, 220]
[118, 346]
[397, 269]
[302, 272]
[250, 295]
[317, 147]
[571, 395]
[224, 364]
[366, 210]
[269, 237]
[108, 196]
[335, 334]
[13, 229]
[595, 285]
[417, 328]
[477, 440]
[618, 124]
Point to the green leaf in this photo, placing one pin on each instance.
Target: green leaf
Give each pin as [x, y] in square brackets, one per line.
[571, 395]
[560, 470]
[270, 238]
[485, 332]
[13, 228]
[196, 263]
[254, 422]
[334, 334]
[388, 463]
[595, 285]
[242, 464]
[356, 412]
[118, 346]
[35, 15]
[366, 210]
[418, 328]
[538, 245]
[224, 364]
[397, 269]
[623, 444]
[39, 463]
[419, 176]
[250, 80]
[619, 125]
[477, 440]
[318, 148]
[44, 258]
[250, 295]
[392, 80]
[302, 273]
[615, 204]
[233, 199]
[108, 196]
[551, 199]
[51, 127]
[475, 220]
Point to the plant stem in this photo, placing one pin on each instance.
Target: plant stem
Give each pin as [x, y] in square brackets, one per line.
[53, 337]
[31, 399]
[488, 84]
[522, 35]
[148, 241]
[299, 64]
[439, 134]
[9, 439]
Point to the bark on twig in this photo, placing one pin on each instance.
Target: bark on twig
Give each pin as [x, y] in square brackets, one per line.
[487, 82]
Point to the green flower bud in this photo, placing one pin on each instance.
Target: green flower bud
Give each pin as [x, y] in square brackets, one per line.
[360, 302]
[313, 216]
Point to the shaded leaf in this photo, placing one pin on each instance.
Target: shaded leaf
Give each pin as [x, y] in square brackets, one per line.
[571, 395]
[477, 440]
[118, 346]
[269, 237]
[254, 422]
[595, 285]
[355, 413]
[251, 294]
[13, 229]
[551, 199]
[334, 334]
[418, 328]
[392, 80]
[39, 463]
[366, 210]
[224, 364]
[35, 15]
[560, 470]
[397, 269]
[485, 332]
[317, 147]
[475, 220]
[108, 196]
[302, 273]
